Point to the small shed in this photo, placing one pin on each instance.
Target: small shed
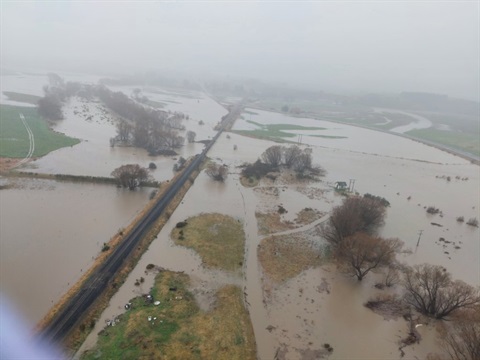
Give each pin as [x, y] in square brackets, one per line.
[341, 185]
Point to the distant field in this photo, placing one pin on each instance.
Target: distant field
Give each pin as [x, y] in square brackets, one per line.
[463, 134]
[14, 139]
[466, 142]
[274, 131]
[25, 98]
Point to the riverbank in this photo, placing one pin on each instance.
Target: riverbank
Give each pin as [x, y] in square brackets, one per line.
[457, 152]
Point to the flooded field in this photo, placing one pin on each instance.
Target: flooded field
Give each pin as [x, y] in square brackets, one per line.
[50, 234]
[319, 306]
[300, 316]
[94, 126]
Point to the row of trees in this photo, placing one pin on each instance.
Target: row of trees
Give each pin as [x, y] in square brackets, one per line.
[292, 157]
[152, 129]
[56, 93]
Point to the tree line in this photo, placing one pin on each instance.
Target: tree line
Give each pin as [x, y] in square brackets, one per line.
[276, 157]
[155, 130]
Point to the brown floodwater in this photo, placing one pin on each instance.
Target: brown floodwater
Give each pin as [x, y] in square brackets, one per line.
[95, 157]
[339, 317]
[410, 175]
[51, 231]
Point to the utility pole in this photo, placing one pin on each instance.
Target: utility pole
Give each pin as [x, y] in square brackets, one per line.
[351, 185]
[419, 236]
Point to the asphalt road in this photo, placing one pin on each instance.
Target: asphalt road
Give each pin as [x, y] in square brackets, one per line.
[71, 314]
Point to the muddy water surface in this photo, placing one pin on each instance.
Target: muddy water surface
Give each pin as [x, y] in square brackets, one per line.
[381, 164]
[338, 316]
[50, 233]
[94, 125]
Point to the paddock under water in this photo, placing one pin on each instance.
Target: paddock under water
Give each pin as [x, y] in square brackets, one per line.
[50, 233]
[318, 306]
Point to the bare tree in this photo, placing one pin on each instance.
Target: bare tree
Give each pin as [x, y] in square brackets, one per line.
[191, 136]
[217, 172]
[124, 129]
[354, 215]
[431, 291]
[361, 253]
[303, 162]
[273, 156]
[131, 175]
[392, 274]
[461, 338]
[50, 107]
[290, 155]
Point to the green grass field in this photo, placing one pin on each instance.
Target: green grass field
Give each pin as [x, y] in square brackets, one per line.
[177, 328]
[274, 131]
[26, 98]
[462, 141]
[14, 139]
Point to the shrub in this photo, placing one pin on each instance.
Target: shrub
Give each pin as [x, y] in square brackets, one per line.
[433, 210]
[380, 199]
[105, 247]
[472, 222]
[181, 224]
[460, 219]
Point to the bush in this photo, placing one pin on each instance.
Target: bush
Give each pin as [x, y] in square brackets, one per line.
[472, 222]
[433, 210]
[460, 219]
[152, 166]
[257, 170]
[380, 199]
[181, 224]
[105, 247]
[217, 172]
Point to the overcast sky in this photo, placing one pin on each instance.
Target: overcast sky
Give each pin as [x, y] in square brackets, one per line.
[331, 45]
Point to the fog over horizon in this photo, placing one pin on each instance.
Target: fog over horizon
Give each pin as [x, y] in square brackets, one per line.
[333, 46]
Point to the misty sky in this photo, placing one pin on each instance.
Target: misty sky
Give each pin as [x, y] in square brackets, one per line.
[336, 45]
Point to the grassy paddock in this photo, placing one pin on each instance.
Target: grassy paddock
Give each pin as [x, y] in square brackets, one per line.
[468, 142]
[178, 328]
[25, 98]
[14, 140]
[284, 257]
[218, 239]
[276, 132]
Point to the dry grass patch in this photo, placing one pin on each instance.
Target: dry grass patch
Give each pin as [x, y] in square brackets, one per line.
[284, 257]
[271, 222]
[218, 239]
[308, 215]
[178, 329]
